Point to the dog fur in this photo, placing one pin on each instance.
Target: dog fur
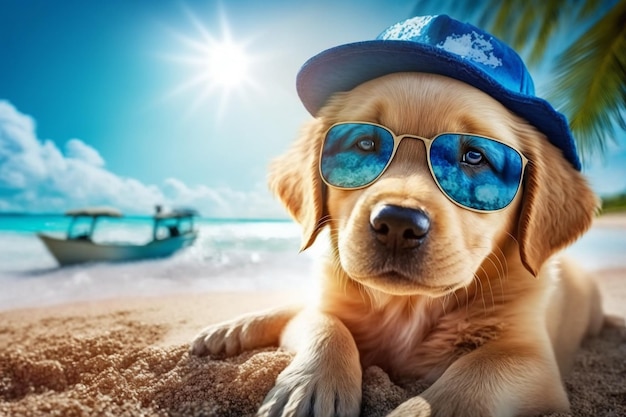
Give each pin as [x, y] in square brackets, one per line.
[484, 309]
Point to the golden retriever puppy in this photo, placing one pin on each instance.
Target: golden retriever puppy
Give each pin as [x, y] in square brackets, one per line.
[475, 302]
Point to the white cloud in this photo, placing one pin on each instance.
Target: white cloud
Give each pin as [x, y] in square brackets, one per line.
[77, 149]
[20, 152]
[35, 176]
[224, 202]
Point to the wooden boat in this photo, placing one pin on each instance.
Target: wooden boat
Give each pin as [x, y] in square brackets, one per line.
[172, 231]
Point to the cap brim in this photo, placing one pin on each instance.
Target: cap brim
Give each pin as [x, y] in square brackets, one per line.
[346, 66]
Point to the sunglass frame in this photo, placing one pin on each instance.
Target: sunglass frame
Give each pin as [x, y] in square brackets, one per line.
[428, 143]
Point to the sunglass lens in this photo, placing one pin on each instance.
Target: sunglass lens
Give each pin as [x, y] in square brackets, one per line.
[476, 172]
[355, 154]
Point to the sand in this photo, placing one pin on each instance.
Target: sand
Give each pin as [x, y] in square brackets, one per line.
[128, 357]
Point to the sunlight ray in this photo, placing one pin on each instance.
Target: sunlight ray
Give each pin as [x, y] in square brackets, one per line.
[220, 67]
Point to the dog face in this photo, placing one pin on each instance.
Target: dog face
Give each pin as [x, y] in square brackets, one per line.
[401, 235]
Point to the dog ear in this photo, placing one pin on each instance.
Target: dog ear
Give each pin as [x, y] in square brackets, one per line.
[294, 178]
[557, 208]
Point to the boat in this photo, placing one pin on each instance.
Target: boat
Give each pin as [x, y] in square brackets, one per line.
[172, 231]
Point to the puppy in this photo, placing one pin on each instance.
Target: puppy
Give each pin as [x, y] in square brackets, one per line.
[473, 302]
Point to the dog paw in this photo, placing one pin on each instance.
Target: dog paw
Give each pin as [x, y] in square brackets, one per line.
[244, 333]
[229, 339]
[304, 391]
[449, 406]
[413, 407]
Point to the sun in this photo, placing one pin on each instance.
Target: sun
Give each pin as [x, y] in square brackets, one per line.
[215, 67]
[227, 65]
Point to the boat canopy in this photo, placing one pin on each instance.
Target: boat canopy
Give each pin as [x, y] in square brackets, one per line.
[176, 214]
[95, 212]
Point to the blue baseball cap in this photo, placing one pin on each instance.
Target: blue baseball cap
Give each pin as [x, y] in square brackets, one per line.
[438, 45]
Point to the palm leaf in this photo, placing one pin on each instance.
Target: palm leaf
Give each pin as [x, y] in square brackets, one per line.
[590, 86]
[548, 24]
[498, 19]
[530, 25]
[589, 9]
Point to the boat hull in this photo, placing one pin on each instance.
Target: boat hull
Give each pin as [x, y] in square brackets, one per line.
[76, 251]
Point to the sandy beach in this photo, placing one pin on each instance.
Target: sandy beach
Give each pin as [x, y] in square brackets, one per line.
[128, 357]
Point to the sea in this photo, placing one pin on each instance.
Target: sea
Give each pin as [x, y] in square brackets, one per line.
[229, 255]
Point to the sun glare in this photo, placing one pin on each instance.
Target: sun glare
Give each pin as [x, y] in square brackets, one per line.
[215, 67]
[227, 65]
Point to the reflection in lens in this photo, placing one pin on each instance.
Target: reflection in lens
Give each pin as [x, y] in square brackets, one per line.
[491, 186]
[345, 165]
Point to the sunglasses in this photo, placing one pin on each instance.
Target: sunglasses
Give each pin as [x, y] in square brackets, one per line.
[477, 173]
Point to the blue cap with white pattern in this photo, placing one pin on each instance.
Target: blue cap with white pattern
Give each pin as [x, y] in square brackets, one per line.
[438, 45]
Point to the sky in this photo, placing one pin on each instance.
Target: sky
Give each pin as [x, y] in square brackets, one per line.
[117, 103]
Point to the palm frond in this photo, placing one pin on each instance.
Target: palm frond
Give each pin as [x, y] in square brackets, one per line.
[548, 24]
[524, 29]
[589, 9]
[529, 25]
[590, 86]
[500, 19]
[484, 11]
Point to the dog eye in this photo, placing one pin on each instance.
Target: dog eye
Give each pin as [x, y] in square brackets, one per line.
[473, 157]
[366, 145]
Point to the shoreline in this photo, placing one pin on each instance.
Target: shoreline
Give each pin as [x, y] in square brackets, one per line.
[610, 220]
[282, 272]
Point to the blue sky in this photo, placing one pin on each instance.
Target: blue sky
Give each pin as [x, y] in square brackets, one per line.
[103, 102]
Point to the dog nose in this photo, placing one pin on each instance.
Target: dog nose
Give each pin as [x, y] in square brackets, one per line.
[399, 227]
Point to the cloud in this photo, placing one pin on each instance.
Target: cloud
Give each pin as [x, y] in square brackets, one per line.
[77, 149]
[36, 176]
[224, 202]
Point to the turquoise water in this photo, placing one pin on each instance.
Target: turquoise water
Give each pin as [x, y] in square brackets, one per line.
[263, 234]
[229, 255]
[31, 224]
